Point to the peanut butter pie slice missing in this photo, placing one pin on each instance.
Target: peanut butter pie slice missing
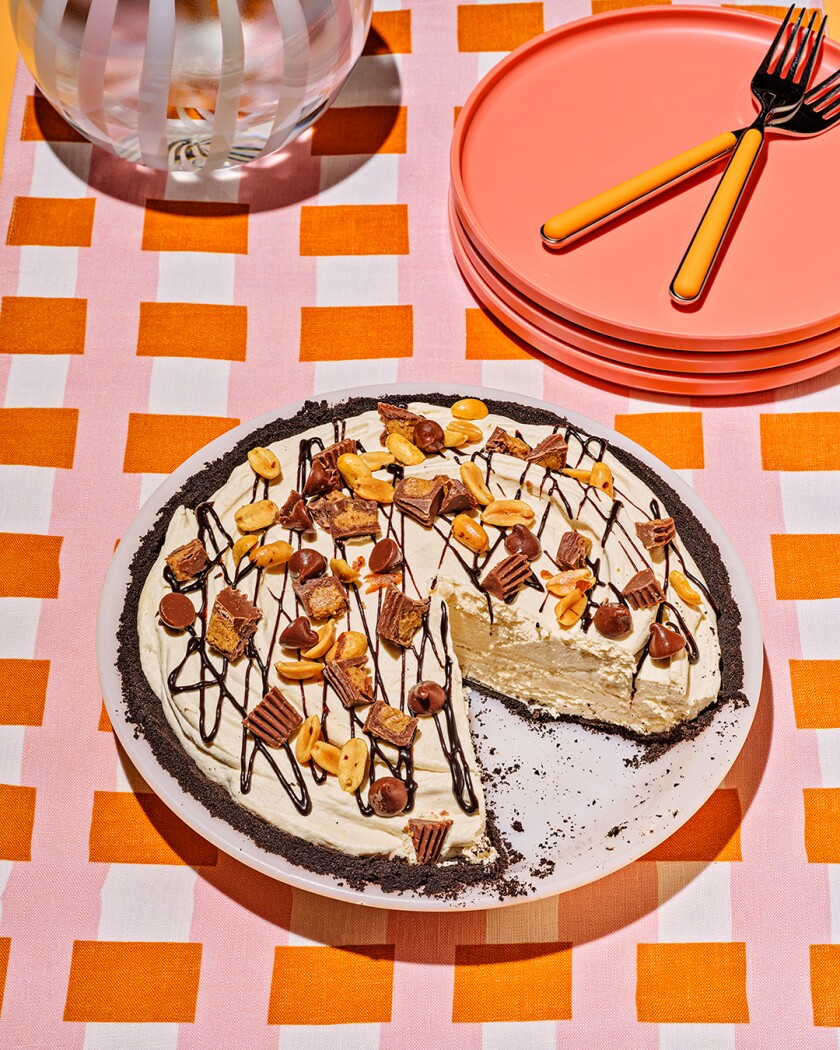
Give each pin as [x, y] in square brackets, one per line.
[348, 569]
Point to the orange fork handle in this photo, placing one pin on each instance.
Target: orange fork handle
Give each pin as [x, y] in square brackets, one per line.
[698, 260]
[564, 227]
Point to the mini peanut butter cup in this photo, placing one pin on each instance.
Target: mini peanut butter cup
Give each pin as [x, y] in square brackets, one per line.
[428, 837]
[643, 590]
[322, 597]
[385, 556]
[273, 720]
[176, 611]
[656, 532]
[232, 622]
[400, 617]
[420, 498]
[550, 453]
[510, 445]
[508, 578]
[573, 550]
[329, 457]
[390, 724]
[187, 561]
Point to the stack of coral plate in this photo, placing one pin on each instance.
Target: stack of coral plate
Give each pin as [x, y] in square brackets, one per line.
[586, 106]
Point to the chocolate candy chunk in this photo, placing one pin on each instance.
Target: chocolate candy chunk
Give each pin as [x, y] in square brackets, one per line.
[294, 515]
[400, 617]
[550, 453]
[329, 457]
[428, 436]
[573, 551]
[321, 479]
[426, 698]
[656, 532]
[397, 420]
[322, 597]
[321, 508]
[385, 556]
[299, 634]
[428, 836]
[456, 496]
[643, 590]
[664, 642]
[177, 611]
[420, 498]
[501, 441]
[187, 561]
[507, 579]
[351, 681]
[520, 540]
[273, 720]
[307, 563]
[387, 796]
[390, 724]
[349, 517]
[612, 620]
[232, 622]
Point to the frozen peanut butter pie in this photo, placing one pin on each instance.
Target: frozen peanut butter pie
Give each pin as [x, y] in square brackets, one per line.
[302, 619]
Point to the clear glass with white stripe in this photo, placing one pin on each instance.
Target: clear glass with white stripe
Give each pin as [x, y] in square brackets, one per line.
[190, 84]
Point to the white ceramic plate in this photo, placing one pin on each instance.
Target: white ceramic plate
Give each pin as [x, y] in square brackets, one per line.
[567, 788]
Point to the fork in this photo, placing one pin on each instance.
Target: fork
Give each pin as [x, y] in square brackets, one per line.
[567, 226]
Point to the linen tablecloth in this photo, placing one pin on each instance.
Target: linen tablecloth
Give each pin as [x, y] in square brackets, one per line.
[143, 315]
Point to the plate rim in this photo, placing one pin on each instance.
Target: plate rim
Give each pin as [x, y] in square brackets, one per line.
[543, 296]
[238, 845]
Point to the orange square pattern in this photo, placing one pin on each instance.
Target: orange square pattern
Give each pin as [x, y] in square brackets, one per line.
[513, 982]
[17, 818]
[33, 324]
[58, 222]
[825, 984]
[38, 437]
[104, 721]
[794, 558]
[390, 33]
[497, 27]
[323, 985]
[42, 123]
[355, 333]
[140, 982]
[692, 983]
[128, 828]
[815, 687]
[23, 691]
[29, 565]
[5, 948]
[486, 341]
[600, 7]
[675, 437]
[800, 441]
[205, 330]
[822, 825]
[195, 226]
[354, 229]
[157, 444]
[713, 833]
[347, 130]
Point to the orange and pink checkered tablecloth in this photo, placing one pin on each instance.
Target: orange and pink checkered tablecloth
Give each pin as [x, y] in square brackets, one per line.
[142, 316]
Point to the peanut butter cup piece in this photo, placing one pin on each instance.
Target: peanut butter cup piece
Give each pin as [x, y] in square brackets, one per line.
[510, 445]
[664, 642]
[550, 453]
[390, 724]
[351, 680]
[612, 620]
[321, 479]
[273, 720]
[385, 556]
[299, 634]
[187, 561]
[428, 436]
[321, 508]
[573, 550]
[350, 517]
[520, 540]
[329, 456]
[307, 563]
[400, 617]
[456, 496]
[233, 620]
[428, 836]
[294, 515]
[322, 597]
[643, 591]
[507, 578]
[656, 532]
[426, 698]
[176, 611]
[398, 421]
[387, 796]
[420, 498]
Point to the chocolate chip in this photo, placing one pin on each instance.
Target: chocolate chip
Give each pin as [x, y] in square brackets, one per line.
[307, 563]
[426, 698]
[387, 796]
[177, 611]
[520, 540]
[299, 634]
[664, 642]
[385, 556]
[428, 436]
[612, 620]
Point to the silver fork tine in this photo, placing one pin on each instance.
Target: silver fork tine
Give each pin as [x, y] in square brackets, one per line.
[768, 58]
[780, 64]
[806, 36]
[815, 49]
[813, 96]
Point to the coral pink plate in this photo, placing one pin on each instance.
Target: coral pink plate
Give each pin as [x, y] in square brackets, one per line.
[583, 107]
